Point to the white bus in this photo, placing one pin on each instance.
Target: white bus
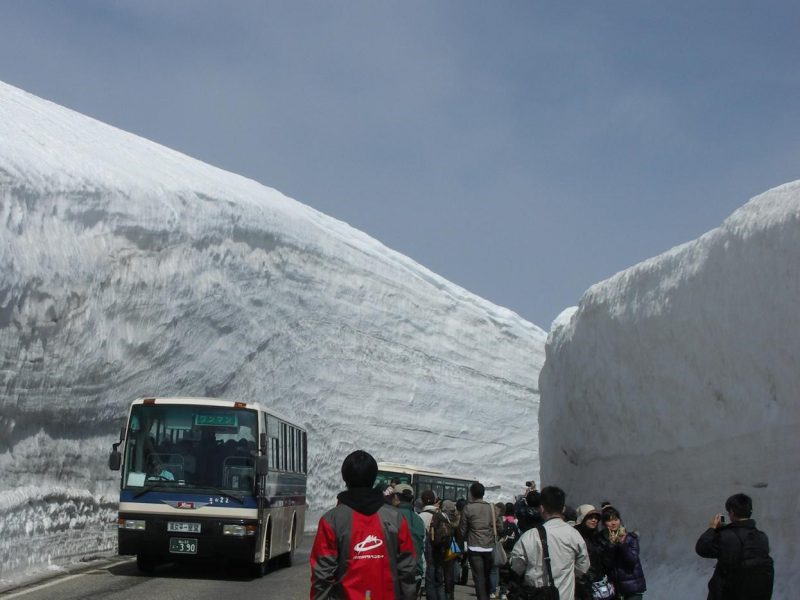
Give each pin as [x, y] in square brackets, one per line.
[207, 478]
[446, 486]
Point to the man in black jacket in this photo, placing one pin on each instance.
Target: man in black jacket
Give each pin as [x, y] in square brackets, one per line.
[527, 511]
[744, 568]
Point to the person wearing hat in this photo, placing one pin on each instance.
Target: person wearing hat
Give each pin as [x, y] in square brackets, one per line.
[388, 491]
[587, 524]
[620, 550]
[404, 502]
[584, 512]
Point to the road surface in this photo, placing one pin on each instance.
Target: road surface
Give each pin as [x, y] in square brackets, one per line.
[119, 579]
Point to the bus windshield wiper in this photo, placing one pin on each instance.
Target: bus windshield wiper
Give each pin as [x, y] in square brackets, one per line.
[149, 488]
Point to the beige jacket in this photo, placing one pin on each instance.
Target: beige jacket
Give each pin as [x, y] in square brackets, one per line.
[567, 555]
[476, 525]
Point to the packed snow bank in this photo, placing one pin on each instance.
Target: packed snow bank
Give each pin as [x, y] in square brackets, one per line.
[128, 269]
[675, 384]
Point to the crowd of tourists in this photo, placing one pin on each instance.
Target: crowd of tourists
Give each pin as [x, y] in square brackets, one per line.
[387, 544]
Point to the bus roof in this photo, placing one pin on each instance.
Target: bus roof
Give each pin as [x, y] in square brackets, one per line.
[411, 469]
[193, 401]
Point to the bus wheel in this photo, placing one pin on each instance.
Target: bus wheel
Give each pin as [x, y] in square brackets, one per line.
[146, 563]
[285, 560]
[260, 569]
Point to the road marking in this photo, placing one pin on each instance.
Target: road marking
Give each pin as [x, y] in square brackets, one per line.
[58, 580]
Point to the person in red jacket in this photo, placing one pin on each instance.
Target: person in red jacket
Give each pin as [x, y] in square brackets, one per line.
[363, 548]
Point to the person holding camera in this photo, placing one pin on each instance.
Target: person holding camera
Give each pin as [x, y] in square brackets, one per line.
[527, 508]
[744, 567]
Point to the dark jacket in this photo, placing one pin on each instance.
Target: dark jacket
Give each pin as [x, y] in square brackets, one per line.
[363, 545]
[744, 567]
[527, 516]
[583, 584]
[622, 564]
[417, 533]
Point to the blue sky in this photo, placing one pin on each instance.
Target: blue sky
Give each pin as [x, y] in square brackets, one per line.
[523, 150]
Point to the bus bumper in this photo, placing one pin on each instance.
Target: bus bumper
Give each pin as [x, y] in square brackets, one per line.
[156, 540]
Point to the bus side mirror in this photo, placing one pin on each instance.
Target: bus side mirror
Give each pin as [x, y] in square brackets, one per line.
[262, 465]
[114, 460]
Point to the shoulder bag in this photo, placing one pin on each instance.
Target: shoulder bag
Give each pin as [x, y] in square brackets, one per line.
[499, 557]
[549, 591]
[454, 551]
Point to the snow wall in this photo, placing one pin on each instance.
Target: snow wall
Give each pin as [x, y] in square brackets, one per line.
[674, 384]
[128, 269]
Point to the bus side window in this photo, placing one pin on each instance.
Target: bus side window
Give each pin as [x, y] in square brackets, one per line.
[438, 489]
[291, 453]
[274, 453]
[305, 452]
[284, 447]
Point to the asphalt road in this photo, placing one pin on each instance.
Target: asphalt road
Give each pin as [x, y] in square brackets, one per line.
[119, 579]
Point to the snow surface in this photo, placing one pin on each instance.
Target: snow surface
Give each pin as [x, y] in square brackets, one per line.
[674, 385]
[128, 269]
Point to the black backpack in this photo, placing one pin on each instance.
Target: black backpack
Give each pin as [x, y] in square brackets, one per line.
[752, 576]
[440, 532]
[509, 534]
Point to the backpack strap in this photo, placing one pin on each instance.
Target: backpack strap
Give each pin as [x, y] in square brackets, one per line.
[430, 531]
[546, 553]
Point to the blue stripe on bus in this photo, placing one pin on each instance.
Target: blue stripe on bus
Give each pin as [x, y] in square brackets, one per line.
[209, 499]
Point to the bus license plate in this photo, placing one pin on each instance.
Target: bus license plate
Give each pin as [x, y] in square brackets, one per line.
[182, 546]
[183, 527]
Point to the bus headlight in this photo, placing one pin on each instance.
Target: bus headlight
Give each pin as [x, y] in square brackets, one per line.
[131, 524]
[239, 530]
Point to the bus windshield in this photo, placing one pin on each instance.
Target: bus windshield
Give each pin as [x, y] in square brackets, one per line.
[190, 446]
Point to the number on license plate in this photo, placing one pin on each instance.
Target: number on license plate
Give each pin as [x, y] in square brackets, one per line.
[182, 546]
[183, 527]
